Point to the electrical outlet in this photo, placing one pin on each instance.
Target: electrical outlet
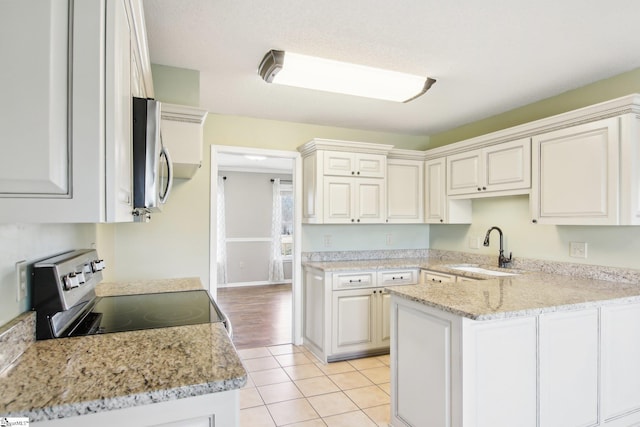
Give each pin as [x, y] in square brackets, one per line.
[21, 280]
[474, 242]
[241, 265]
[578, 249]
[327, 240]
[389, 239]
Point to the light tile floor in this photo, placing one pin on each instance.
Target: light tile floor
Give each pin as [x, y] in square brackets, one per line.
[288, 386]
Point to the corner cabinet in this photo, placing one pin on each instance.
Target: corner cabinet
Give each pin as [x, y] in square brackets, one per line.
[344, 182]
[405, 187]
[588, 174]
[438, 208]
[66, 125]
[346, 314]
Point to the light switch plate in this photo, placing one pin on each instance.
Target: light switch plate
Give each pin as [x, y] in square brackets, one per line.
[474, 242]
[578, 249]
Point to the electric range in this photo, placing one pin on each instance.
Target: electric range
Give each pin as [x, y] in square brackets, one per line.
[63, 295]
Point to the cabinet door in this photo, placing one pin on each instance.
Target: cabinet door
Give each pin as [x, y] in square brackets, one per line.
[338, 200]
[119, 147]
[405, 191]
[620, 355]
[568, 357]
[576, 175]
[435, 191]
[370, 165]
[464, 173]
[502, 368]
[507, 166]
[421, 369]
[369, 200]
[339, 163]
[353, 320]
[34, 140]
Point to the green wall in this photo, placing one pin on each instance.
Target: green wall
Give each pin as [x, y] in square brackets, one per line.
[176, 85]
[603, 90]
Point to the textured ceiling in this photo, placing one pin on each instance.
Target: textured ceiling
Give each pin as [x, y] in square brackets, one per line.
[487, 56]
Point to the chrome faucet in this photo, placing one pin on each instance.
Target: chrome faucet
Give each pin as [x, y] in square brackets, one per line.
[502, 260]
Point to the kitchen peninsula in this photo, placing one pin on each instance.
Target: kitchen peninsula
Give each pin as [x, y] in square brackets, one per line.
[175, 376]
[532, 349]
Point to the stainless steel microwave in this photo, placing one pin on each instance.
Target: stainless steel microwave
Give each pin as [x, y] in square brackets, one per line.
[152, 168]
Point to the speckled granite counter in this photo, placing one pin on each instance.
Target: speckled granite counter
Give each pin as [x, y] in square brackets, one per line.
[528, 293]
[75, 376]
[148, 286]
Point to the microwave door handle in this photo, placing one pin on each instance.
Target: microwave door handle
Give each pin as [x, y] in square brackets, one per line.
[165, 195]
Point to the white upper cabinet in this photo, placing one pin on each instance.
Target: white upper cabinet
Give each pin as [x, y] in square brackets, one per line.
[66, 121]
[502, 167]
[182, 135]
[405, 189]
[342, 163]
[344, 187]
[438, 208]
[353, 200]
[588, 174]
[34, 133]
[576, 174]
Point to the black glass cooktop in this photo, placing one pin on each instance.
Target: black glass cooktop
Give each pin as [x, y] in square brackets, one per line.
[147, 311]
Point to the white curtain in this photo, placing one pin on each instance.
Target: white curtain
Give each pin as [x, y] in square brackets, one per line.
[276, 270]
[221, 241]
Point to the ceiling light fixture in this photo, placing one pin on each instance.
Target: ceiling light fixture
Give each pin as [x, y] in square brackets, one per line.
[309, 72]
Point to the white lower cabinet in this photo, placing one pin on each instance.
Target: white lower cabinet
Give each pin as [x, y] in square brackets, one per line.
[347, 314]
[427, 276]
[564, 369]
[221, 409]
[569, 369]
[621, 364]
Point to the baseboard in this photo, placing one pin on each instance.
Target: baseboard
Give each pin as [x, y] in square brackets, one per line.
[258, 283]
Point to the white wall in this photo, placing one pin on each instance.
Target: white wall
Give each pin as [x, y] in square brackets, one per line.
[248, 204]
[33, 242]
[610, 246]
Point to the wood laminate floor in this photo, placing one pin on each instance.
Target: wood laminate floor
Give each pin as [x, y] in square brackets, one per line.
[260, 315]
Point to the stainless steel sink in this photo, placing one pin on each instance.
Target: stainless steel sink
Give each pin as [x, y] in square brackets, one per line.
[480, 270]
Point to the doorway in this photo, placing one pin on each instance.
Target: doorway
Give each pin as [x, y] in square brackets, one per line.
[238, 272]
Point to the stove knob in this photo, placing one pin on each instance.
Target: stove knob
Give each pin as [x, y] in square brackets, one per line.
[97, 265]
[71, 281]
[81, 279]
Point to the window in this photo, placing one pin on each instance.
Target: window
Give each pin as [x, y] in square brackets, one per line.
[286, 238]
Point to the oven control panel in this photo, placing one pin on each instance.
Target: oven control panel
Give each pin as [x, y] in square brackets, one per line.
[72, 275]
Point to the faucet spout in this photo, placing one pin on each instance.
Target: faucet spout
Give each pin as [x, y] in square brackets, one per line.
[502, 260]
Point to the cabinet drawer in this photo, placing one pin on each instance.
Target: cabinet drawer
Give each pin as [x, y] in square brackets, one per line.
[431, 276]
[398, 277]
[354, 280]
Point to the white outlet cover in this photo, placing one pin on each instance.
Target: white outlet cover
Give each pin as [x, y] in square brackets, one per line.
[21, 280]
[578, 249]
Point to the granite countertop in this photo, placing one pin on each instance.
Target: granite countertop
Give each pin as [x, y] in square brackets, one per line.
[524, 294]
[81, 375]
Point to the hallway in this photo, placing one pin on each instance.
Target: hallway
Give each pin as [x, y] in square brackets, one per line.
[260, 315]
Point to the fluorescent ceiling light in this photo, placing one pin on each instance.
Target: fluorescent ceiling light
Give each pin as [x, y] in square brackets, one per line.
[309, 72]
